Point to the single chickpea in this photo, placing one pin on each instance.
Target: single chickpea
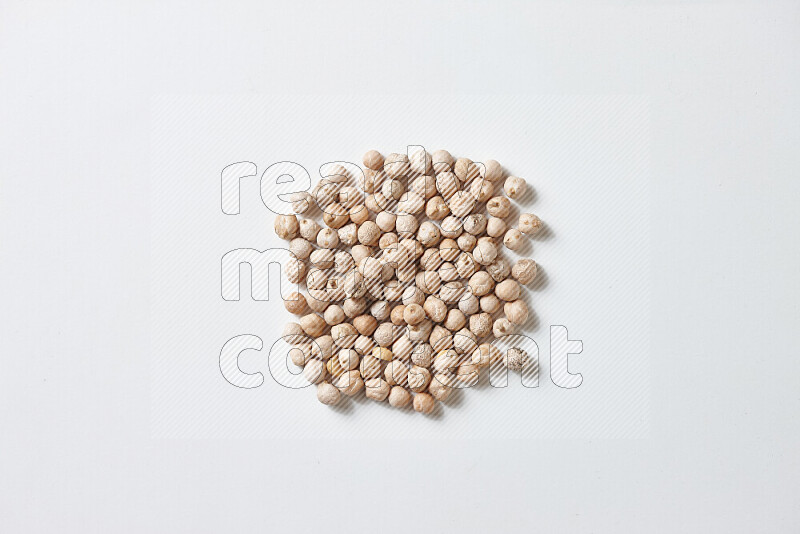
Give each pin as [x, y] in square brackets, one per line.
[322, 258]
[369, 367]
[496, 227]
[420, 162]
[442, 161]
[373, 160]
[334, 368]
[440, 387]
[300, 248]
[350, 383]
[399, 397]
[475, 224]
[308, 229]
[419, 333]
[485, 354]
[295, 303]
[312, 324]
[424, 403]
[516, 311]
[327, 393]
[348, 359]
[447, 272]
[396, 165]
[464, 341]
[396, 373]
[359, 214]
[369, 233]
[422, 355]
[424, 186]
[418, 378]
[406, 225]
[467, 373]
[466, 242]
[481, 283]
[364, 344]
[359, 252]
[435, 309]
[411, 203]
[328, 238]
[502, 327]
[335, 216]
[465, 265]
[468, 304]
[482, 190]
[448, 185]
[350, 198]
[398, 315]
[485, 251]
[445, 361]
[452, 227]
[515, 187]
[314, 371]
[498, 269]
[515, 359]
[382, 353]
[507, 290]
[413, 295]
[436, 208]
[524, 271]
[300, 355]
[413, 314]
[286, 226]
[490, 303]
[428, 281]
[498, 207]
[387, 240]
[480, 324]
[323, 347]
[353, 307]
[493, 171]
[462, 203]
[393, 189]
[428, 234]
[402, 347]
[377, 389]
[513, 239]
[365, 324]
[451, 291]
[385, 221]
[455, 320]
[384, 335]
[380, 310]
[369, 179]
[334, 315]
[529, 224]
[343, 261]
[301, 202]
[344, 335]
[466, 170]
[441, 338]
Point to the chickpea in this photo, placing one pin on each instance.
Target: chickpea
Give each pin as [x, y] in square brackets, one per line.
[295, 303]
[490, 303]
[515, 359]
[396, 165]
[334, 315]
[349, 383]
[328, 238]
[300, 248]
[468, 304]
[413, 314]
[422, 355]
[496, 227]
[466, 242]
[335, 216]
[515, 187]
[464, 341]
[441, 338]
[435, 309]
[354, 306]
[467, 373]
[481, 324]
[385, 221]
[529, 224]
[448, 185]
[451, 291]
[424, 403]
[308, 229]
[462, 203]
[398, 315]
[516, 311]
[286, 226]
[406, 225]
[393, 189]
[369, 367]
[364, 344]
[344, 335]
[399, 397]
[507, 290]
[327, 393]
[295, 270]
[369, 233]
[365, 324]
[465, 170]
[485, 354]
[513, 239]
[428, 281]
[384, 335]
[418, 378]
[524, 271]
[382, 353]
[436, 208]
[475, 224]
[498, 207]
[314, 371]
[420, 333]
[396, 373]
[493, 171]
[377, 389]
[482, 190]
[312, 324]
[452, 227]
[334, 368]
[380, 310]
[428, 234]
[498, 269]
[411, 203]
[387, 240]
[485, 251]
[424, 186]
[502, 327]
[440, 387]
[373, 160]
[481, 283]
[301, 202]
[300, 356]
[359, 214]
[442, 161]
[359, 252]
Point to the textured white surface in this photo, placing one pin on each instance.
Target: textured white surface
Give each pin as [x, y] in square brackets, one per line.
[78, 452]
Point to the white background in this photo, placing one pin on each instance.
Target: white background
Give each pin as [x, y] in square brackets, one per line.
[77, 452]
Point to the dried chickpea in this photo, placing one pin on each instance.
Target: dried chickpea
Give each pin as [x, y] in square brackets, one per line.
[328, 238]
[396, 373]
[515, 359]
[498, 207]
[529, 224]
[465, 265]
[314, 371]
[413, 314]
[286, 226]
[448, 185]
[436, 208]
[359, 214]
[466, 170]
[301, 202]
[524, 271]
[322, 258]
[424, 403]
[377, 389]
[481, 283]
[418, 378]
[411, 203]
[406, 225]
[373, 160]
[455, 320]
[335, 216]
[482, 190]
[424, 186]
[490, 303]
[344, 335]
[495, 227]
[493, 171]
[380, 310]
[464, 341]
[515, 187]
[308, 229]
[498, 269]
[452, 227]
[295, 303]
[393, 189]
[353, 307]
[387, 240]
[467, 373]
[466, 242]
[462, 203]
[382, 353]
[396, 165]
[480, 324]
[365, 324]
[475, 224]
[350, 383]
[442, 161]
[516, 311]
[348, 359]
[300, 248]
[485, 251]
[385, 221]
[398, 315]
[399, 397]
[369, 367]
[502, 327]
[359, 252]
[507, 290]
[369, 233]
[428, 281]
[334, 315]
[300, 356]
[364, 344]
[384, 335]
[422, 355]
[327, 393]
[334, 368]
[485, 354]
[448, 272]
[468, 304]
[441, 338]
[513, 239]
[440, 387]
[312, 324]
[428, 234]
[451, 292]
[419, 333]
[435, 309]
